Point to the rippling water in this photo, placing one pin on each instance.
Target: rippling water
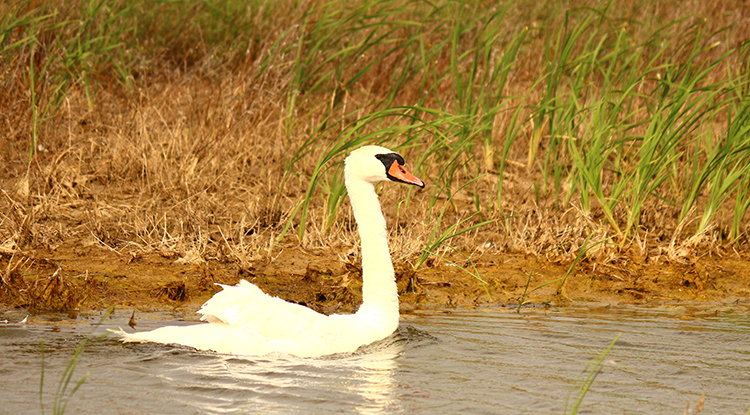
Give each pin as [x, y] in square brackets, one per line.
[439, 362]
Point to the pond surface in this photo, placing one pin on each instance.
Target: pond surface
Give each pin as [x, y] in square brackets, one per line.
[439, 362]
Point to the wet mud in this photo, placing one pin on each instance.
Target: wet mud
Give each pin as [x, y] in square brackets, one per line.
[90, 278]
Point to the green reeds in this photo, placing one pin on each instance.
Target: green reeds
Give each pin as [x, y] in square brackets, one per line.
[619, 116]
[64, 48]
[594, 368]
[479, 75]
[63, 395]
[600, 115]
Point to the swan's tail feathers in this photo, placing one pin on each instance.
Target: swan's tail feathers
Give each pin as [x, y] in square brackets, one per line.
[127, 337]
[232, 300]
[212, 319]
[246, 307]
[239, 304]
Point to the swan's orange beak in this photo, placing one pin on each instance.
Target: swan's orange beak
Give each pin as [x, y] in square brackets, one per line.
[399, 173]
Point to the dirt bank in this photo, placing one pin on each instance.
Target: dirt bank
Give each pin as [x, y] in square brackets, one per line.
[84, 278]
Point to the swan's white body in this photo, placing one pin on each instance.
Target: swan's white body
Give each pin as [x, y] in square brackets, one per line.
[244, 320]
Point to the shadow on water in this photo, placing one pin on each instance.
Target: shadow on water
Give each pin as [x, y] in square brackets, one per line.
[438, 362]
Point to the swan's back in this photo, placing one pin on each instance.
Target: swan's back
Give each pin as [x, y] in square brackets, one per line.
[246, 307]
[244, 320]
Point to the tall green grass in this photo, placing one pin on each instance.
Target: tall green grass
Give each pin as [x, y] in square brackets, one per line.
[618, 115]
[62, 47]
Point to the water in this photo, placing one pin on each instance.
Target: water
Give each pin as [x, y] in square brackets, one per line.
[440, 362]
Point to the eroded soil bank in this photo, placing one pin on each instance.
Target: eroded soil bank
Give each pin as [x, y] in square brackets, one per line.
[90, 278]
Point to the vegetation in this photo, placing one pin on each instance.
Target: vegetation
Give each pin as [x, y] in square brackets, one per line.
[63, 395]
[594, 368]
[218, 128]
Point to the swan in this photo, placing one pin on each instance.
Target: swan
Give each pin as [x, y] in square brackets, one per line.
[243, 320]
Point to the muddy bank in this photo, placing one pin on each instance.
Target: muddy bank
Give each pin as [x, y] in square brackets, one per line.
[89, 278]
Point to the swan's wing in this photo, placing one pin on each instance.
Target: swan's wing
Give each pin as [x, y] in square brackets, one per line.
[246, 307]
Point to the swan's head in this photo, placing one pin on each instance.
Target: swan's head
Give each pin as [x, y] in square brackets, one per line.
[373, 164]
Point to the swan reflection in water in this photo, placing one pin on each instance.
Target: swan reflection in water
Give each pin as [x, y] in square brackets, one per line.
[363, 382]
[373, 378]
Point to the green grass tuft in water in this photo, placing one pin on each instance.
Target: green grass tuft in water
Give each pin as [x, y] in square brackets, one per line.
[63, 394]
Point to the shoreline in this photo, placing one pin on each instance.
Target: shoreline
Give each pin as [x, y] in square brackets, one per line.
[93, 278]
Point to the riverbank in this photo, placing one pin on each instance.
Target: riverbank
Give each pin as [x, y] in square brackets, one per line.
[91, 278]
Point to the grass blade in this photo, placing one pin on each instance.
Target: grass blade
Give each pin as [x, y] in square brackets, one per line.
[594, 368]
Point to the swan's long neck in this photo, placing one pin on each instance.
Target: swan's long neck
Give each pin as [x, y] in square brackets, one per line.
[379, 292]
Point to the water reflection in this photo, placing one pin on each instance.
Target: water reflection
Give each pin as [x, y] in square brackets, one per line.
[377, 387]
[362, 383]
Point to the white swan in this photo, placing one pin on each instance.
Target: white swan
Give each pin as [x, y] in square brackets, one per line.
[245, 321]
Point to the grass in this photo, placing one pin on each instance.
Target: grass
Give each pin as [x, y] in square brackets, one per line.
[594, 368]
[560, 293]
[151, 131]
[63, 394]
[84, 41]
